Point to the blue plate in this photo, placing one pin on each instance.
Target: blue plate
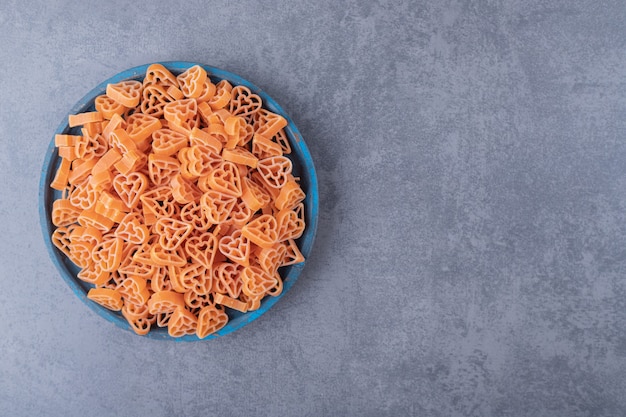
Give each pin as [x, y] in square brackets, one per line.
[302, 167]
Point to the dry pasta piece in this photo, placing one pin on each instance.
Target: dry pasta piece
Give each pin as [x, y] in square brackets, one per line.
[175, 92]
[201, 292]
[165, 302]
[195, 300]
[252, 303]
[281, 139]
[132, 230]
[241, 156]
[158, 201]
[110, 201]
[65, 140]
[155, 97]
[232, 128]
[262, 231]
[217, 206]
[130, 187]
[157, 74]
[110, 213]
[134, 290]
[246, 133]
[120, 141]
[90, 147]
[236, 247]
[253, 195]
[166, 142]
[290, 196]
[241, 214]
[162, 168]
[290, 223]
[107, 107]
[222, 95]
[180, 110]
[173, 272]
[230, 302]
[202, 137]
[94, 274]
[139, 128]
[185, 126]
[243, 102]
[108, 253]
[192, 275]
[184, 191]
[61, 177]
[84, 118]
[229, 277]
[217, 131]
[89, 217]
[256, 282]
[126, 93]
[64, 213]
[218, 117]
[83, 195]
[268, 124]
[218, 287]
[133, 264]
[160, 281]
[106, 297]
[116, 122]
[192, 81]
[278, 288]
[142, 256]
[80, 254]
[181, 323]
[274, 170]
[292, 253]
[172, 232]
[67, 152]
[161, 256]
[201, 161]
[192, 213]
[138, 318]
[105, 163]
[80, 170]
[210, 320]
[270, 259]
[225, 178]
[202, 248]
[184, 164]
[61, 239]
[84, 239]
[205, 111]
[208, 91]
[101, 180]
[264, 148]
[131, 162]
[91, 129]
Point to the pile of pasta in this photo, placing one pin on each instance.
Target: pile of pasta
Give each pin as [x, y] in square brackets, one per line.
[178, 201]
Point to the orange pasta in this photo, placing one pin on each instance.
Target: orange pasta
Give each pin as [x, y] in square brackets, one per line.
[179, 203]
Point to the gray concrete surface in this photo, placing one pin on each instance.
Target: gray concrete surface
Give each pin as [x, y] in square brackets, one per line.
[471, 255]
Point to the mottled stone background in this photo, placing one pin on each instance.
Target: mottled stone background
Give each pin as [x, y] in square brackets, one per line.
[471, 254]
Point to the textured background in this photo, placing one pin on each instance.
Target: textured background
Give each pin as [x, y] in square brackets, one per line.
[471, 254]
